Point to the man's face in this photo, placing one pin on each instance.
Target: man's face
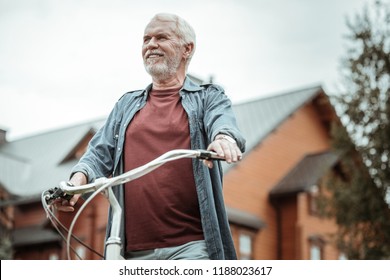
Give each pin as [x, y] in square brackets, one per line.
[161, 50]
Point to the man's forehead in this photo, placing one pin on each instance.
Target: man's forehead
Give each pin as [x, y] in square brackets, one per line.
[160, 27]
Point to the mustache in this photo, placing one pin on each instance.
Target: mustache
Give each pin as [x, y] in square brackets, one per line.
[153, 52]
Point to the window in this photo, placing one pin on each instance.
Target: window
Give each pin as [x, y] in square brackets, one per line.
[245, 246]
[315, 252]
[316, 245]
[343, 256]
[81, 252]
[313, 196]
[53, 256]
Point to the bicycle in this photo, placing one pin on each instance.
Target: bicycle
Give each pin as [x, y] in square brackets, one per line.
[103, 185]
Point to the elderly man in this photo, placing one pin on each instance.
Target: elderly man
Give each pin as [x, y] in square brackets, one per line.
[177, 211]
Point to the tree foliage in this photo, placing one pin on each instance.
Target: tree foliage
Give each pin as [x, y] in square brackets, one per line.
[5, 248]
[366, 100]
[360, 189]
[357, 204]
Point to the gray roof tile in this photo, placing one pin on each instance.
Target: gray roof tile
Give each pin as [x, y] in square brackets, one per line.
[257, 118]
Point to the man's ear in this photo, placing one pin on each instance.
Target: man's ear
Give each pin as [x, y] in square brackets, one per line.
[189, 48]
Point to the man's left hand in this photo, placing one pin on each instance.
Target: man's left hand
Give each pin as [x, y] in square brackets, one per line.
[225, 148]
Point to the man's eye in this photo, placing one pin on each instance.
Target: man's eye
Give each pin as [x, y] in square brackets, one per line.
[162, 38]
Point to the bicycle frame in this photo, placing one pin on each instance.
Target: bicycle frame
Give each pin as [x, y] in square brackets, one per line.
[103, 185]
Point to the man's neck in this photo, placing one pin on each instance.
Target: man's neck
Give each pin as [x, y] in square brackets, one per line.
[168, 83]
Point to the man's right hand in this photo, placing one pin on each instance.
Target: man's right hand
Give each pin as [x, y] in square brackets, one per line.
[65, 205]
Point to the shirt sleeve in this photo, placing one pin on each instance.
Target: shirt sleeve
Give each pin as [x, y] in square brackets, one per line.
[219, 117]
[98, 160]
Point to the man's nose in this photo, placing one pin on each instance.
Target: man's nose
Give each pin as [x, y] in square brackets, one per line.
[152, 43]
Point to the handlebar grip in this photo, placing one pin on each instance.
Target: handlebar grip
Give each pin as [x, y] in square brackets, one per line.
[209, 155]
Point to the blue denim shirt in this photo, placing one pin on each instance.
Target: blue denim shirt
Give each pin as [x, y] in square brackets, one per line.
[209, 113]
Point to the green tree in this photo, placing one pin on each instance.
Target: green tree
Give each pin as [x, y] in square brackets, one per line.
[5, 248]
[357, 204]
[365, 102]
[360, 192]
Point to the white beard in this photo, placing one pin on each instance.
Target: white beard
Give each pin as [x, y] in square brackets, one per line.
[164, 69]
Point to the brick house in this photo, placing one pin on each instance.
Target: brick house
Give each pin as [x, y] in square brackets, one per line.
[270, 194]
[287, 160]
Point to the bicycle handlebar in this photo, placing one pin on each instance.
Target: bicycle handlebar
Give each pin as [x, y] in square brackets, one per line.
[65, 190]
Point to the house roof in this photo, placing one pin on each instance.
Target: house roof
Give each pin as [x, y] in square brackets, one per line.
[305, 174]
[257, 118]
[31, 165]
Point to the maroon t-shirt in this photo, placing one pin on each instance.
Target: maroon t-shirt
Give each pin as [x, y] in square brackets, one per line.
[162, 208]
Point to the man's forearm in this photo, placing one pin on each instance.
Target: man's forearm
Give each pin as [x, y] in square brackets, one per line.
[79, 179]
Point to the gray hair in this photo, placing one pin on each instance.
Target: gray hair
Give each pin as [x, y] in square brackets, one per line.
[184, 30]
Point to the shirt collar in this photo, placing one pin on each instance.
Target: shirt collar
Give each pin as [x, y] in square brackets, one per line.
[190, 85]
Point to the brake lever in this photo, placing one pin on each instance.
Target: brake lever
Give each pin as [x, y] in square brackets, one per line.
[55, 193]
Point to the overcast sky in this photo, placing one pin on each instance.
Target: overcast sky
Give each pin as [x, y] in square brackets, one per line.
[67, 62]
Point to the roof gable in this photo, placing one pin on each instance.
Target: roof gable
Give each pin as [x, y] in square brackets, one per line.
[77, 151]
